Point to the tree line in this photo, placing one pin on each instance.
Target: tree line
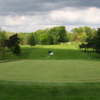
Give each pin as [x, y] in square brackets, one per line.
[89, 37]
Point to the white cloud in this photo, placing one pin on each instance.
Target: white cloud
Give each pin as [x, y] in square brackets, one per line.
[15, 21]
[82, 16]
[69, 17]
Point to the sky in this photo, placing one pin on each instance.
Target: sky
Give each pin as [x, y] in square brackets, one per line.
[31, 15]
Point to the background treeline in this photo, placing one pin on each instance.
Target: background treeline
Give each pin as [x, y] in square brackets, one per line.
[88, 37]
[46, 37]
[58, 34]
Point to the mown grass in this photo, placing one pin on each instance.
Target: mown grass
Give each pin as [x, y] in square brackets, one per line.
[70, 74]
[49, 91]
[61, 52]
[51, 71]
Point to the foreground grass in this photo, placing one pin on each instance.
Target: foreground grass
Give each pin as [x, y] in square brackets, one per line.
[48, 91]
[67, 75]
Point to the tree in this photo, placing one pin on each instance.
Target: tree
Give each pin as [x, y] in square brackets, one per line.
[13, 40]
[62, 34]
[77, 30]
[75, 36]
[25, 40]
[31, 40]
[69, 36]
[82, 37]
[83, 45]
[16, 49]
[54, 32]
[91, 43]
[97, 41]
[3, 37]
[44, 38]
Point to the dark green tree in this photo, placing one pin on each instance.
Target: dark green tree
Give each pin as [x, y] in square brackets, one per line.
[97, 41]
[13, 40]
[17, 49]
[3, 38]
[31, 40]
[54, 32]
[62, 34]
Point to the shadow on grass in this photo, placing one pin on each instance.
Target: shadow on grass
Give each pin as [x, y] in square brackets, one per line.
[59, 54]
[69, 91]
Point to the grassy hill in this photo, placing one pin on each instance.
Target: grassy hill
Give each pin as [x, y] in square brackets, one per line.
[61, 52]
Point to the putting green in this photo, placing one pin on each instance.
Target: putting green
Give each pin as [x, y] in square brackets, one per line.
[51, 71]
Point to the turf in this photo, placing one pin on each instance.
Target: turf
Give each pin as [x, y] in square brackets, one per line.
[70, 74]
[51, 71]
[61, 52]
[69, 91]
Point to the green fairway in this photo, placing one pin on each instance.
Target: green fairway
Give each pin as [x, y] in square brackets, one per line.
[70, 74]
[51, 71]
[61, 52]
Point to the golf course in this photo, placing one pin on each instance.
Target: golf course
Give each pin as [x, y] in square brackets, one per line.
[69, 74]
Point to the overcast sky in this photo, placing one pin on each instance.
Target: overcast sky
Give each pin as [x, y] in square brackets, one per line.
[31, 15]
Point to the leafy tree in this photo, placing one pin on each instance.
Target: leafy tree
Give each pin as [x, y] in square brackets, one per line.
[31, 40]
[3, 38]
[16, 49]
[50, 39]
[37, 35]
[25, 40]
[13, 40]
[91, 43]
[83, 45]
[75, 36]
[78, 30]
[44, 38]
[69, 36]
[97, 41]
[62, 34]
[82, 37]
[55, 34]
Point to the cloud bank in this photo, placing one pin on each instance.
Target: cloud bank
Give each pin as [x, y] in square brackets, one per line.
[30, 15]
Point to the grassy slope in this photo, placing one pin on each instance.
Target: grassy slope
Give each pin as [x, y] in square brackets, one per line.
[61, 52]
[75, 71]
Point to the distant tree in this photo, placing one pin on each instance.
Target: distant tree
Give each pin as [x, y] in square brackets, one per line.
[3, 38]
[83, 45]
[91, 43]
[16, 49]
[70, 36]
[62, 34]
[31, 40]
[13, 40]
[44, 38]
[37, 35]
[78, 30]
[97, 41]
[50, 39]
[75, 36]
[54, 32]
[82, 37]
[25, 40]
